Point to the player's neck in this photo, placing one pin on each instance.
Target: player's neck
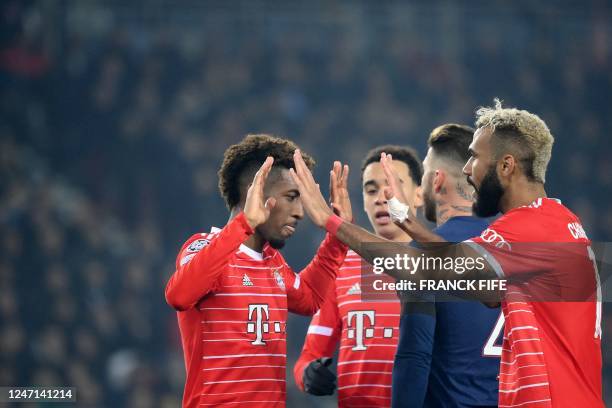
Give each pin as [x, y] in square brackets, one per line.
[400, 237]
[449, 210]
[520, 194]
[453, 200]
[255, 241]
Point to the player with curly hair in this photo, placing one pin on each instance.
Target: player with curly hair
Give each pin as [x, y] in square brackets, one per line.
[232, 288]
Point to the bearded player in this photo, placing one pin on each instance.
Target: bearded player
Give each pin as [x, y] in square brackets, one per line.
[366, 331]
[447, 353]
[232, 288]
[551, 351]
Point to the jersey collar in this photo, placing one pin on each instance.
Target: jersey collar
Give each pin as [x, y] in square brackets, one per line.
[251, 253]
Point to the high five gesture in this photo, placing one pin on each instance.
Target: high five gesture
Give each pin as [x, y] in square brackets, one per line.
[315, 205]
[256, 208]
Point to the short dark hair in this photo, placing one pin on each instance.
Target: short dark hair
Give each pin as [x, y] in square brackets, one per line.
[241, 161]
[452, 141]
[402, 153]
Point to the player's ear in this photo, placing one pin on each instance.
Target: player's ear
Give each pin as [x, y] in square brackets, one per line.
[507, 165]
[418, 197]
[438, 180]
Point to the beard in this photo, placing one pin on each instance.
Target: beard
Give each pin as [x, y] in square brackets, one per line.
[429, 205]
[271, 236]
[488, 195]
[276, 243]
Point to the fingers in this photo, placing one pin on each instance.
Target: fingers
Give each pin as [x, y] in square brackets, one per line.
[270, 203]
[344, 179]
[301, 168]
[386, 166]
[392, 179]
[331, 186]
[388, 193]
[306, 183]
[297, 179]
[403, 226]
[337, 209]
[334, 176]
[262, 174]
[340, 174]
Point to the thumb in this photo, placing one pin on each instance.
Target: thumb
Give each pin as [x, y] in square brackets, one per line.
[270, 203]
[388, 193]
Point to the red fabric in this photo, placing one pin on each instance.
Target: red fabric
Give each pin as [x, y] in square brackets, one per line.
[364, 373]
[232, 311]
[551, 354]
[333, 223]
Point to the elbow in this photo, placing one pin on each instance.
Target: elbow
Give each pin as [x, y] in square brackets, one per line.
[176, 300]
[312, 310]
[313, 307]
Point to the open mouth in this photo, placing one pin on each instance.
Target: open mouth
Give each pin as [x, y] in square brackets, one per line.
[382, 217]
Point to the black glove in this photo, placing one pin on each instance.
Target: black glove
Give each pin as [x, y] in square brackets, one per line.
[318, 379]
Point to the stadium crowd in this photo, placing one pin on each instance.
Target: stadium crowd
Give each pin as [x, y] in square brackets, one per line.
[113, 125]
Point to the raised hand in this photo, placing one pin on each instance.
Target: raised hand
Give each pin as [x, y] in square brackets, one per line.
[394, 189]
[256, 209]
[315, 205]
[338, 188]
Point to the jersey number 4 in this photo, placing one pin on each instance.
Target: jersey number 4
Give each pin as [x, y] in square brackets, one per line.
[492, 348]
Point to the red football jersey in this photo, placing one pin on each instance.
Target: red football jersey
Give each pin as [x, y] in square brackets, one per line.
[551, 355]
[368, 334]
[232, 307]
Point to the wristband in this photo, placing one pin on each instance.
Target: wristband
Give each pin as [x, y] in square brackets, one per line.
[333, 223]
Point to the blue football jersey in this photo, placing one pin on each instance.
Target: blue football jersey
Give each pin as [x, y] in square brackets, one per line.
[448, 352]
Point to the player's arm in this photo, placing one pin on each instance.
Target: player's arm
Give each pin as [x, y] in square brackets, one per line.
[311, 372]
[306, 291]
[199, 267]
[414, 349]
[361, 241]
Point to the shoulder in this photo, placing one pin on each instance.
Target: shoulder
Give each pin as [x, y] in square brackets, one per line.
[195, 244]
[543, 218]
[458, 229]
[200, 240]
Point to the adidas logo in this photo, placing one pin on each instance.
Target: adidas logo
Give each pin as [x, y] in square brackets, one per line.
[354, 290]
[246, 281]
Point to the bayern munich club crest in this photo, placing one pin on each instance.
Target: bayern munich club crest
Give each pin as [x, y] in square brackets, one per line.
[279, 279]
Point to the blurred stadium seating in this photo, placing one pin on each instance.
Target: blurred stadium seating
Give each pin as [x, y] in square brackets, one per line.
[114, 117]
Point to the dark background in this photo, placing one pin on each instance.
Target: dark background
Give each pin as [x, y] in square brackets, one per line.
[114, 116]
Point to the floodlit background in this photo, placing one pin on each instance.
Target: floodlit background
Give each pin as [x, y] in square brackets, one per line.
[114, 116]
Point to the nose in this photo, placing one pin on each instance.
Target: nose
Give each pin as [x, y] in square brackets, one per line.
[298, 210]
[380, 197]
[467, 169]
